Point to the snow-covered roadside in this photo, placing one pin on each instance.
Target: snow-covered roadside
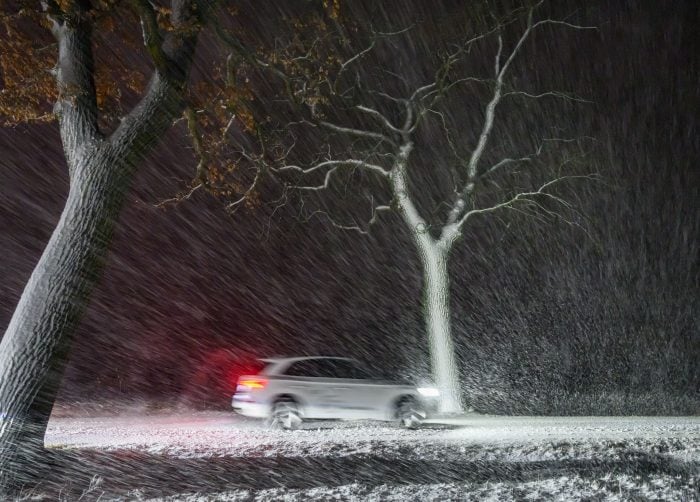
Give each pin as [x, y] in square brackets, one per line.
[610, 488]
[479, 437]
[218, 456]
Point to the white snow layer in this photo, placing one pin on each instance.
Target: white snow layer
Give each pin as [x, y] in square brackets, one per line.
[472, 438]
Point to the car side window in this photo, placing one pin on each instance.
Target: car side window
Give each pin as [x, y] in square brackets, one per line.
[307, 368]
[342, 369]
[360, 372]
[323, 368]
[332, 368]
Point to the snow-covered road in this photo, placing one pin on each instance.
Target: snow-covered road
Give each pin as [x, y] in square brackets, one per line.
[224, 434]
[219, 456]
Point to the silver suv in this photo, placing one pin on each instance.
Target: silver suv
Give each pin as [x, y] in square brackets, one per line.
[289, 390]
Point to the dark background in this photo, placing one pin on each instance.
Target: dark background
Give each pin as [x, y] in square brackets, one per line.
[547, 319]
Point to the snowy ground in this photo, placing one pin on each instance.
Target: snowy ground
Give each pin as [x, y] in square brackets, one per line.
[217, 456]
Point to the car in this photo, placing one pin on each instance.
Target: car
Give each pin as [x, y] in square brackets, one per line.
[287, 391]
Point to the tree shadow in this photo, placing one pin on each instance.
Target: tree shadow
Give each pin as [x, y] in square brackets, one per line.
[441, 427]
[329, 424]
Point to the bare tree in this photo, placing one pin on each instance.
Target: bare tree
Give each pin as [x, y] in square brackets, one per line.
[376, 131]
[34, 349]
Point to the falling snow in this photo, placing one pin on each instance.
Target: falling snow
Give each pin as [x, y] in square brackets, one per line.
[565, 332]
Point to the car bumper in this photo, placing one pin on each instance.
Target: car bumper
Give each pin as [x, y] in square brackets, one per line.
[245, 406]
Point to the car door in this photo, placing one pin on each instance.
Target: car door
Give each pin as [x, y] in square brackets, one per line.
[335, 383]
[298, 381]
[316, 384]
[363, 394]
[342, 384]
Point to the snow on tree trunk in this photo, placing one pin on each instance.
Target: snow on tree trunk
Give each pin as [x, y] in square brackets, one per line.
[436, 285]
[436, 290]
[35, 347]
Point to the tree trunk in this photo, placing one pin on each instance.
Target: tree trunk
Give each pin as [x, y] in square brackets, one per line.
[436, 294]
[436, 288]
[35, 347]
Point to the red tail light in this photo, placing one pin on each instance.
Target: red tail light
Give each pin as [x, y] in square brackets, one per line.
[253, 383]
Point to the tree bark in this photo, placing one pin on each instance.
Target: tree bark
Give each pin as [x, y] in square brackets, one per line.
[36, 345]
[436, 294]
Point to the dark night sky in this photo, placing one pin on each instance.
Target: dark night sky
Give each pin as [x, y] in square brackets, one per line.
[533, 303]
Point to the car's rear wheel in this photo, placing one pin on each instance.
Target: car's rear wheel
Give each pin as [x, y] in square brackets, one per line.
[410, 413]
[285, 415]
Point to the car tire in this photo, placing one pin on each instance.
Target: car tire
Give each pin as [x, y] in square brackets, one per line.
[410, 413]
[285, 415]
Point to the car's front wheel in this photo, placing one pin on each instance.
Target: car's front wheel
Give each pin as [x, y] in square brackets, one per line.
[285, 415]
[410, 413]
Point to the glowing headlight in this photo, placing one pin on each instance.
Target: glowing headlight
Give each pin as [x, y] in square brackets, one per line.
[428, 391]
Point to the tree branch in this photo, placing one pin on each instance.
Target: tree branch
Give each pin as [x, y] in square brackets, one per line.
[490, 113]
[554, 94]
[180, 197]
[504, 162]
[152, 38]
[379, 116]
[164, 97]
[355, 228]
[54, 14]
[357, 132]
[347, 63]
[334, 164]
[76, 107]
[564, 23]
[246, 195]
[199, 150]
[524, 196]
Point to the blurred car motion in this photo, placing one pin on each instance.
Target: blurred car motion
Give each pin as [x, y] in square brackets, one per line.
[287, 391]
